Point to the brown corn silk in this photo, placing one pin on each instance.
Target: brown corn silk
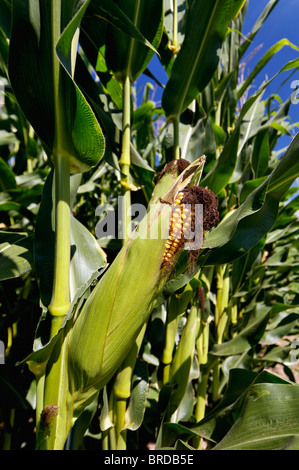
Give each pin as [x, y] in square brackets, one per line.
[182, 221]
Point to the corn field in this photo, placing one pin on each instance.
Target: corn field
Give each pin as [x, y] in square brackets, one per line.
[149, 247]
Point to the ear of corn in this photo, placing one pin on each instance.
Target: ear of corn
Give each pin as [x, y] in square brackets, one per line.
[120, 304]
[101, 330]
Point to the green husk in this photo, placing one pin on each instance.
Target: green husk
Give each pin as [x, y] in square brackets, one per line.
[122, 301]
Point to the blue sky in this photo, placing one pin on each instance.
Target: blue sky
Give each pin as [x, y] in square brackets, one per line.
[282, 23]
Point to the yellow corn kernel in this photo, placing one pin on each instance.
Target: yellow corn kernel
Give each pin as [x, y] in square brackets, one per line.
[178, 223]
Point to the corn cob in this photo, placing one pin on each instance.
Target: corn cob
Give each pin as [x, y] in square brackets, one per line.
[175, 239]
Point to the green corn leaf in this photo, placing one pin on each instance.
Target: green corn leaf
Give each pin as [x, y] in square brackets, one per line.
[138, 397]
[287, 323]
[124, 54]
[101, 17]
[218, 423]
[193, 68]
[113, 14]
[45, 89]
[243, 228]
[262, 62]
[276, 405]
[7, 177]
[7, 138]
[16, 254]
[5, 17]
